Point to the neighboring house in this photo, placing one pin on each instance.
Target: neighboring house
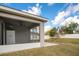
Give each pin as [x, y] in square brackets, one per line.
[15, 26]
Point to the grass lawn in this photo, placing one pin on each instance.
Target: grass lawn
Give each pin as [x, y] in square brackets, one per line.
[71, 49]
[64, 40]
[59, 50]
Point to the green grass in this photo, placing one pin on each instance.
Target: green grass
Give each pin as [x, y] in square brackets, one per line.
[69, 48]
[59, 50]
[64, 40]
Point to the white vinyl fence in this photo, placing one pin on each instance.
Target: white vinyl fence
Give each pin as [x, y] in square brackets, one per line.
[64, 36]
[69, 36]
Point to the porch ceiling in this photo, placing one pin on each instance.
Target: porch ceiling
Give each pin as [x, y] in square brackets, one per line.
[16, 23]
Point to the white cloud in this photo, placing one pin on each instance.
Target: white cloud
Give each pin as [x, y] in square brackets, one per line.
[66, 21]
[73, 8]
[50, 4]
[69, 20]
[76, 8]
[36, 10]
[60, 18]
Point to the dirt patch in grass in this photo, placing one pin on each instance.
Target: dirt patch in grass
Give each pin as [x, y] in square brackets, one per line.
[59, 50]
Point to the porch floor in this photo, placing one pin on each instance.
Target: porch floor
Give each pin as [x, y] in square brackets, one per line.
[18, 47]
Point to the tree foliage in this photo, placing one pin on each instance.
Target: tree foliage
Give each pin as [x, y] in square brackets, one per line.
[51, 32]
[69, 30]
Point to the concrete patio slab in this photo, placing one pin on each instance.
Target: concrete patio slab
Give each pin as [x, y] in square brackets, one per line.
[18, 47]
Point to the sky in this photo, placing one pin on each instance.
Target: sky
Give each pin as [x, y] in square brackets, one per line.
[58, 14]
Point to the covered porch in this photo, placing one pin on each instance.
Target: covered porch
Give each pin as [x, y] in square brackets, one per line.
[15, 26]
[16, 32]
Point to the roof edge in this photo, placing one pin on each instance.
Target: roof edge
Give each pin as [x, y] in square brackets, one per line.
[21, 13]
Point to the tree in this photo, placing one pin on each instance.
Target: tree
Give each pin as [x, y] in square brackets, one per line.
[70, 29]
[51, 32]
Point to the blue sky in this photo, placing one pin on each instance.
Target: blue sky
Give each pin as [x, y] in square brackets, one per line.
[48, 10]
[57, 13]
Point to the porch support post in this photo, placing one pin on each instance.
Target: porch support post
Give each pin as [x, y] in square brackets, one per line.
[4, 33]
[42, 34]
[0, 33]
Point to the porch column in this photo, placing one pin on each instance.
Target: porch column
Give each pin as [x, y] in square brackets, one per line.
[42, 34]
[0, 33]
[4, 34]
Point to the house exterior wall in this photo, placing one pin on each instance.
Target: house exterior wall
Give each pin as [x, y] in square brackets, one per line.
[22, 32]
[22, 35]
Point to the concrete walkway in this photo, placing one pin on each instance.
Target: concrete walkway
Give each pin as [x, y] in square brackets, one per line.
[17, 47]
